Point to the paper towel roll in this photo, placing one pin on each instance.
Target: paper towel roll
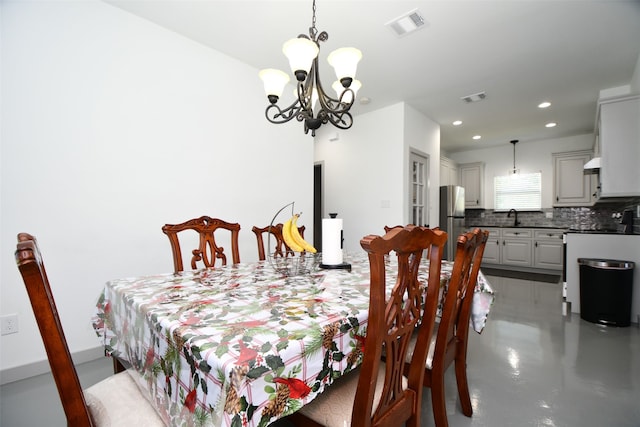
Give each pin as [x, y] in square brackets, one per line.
[332, 241]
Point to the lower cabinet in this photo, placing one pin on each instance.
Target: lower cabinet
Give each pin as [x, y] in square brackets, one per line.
[547, 249]
[516, 247]
[492, 249]
[524, 247]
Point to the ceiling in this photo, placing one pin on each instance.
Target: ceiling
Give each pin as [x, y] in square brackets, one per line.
[518, 52]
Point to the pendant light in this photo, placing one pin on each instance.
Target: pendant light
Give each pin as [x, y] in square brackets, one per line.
[514, 171]
[313, 106]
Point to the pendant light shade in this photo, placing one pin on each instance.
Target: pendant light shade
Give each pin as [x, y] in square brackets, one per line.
[345, 63]
[300, 52]
[274, 83]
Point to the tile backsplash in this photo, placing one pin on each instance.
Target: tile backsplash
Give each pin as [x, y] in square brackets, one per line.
[601, 217]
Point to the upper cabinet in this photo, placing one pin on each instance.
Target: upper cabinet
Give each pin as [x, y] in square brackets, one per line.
[472, 179]
[571, 186]
[618, 146]
[448, 172]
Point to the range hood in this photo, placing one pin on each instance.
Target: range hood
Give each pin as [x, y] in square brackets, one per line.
[593, 163]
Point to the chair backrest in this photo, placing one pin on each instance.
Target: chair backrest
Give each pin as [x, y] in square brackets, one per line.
[281, 248]
[64, 372]
[392, 321]
[388, 228]
[207, 251]
[453, 330]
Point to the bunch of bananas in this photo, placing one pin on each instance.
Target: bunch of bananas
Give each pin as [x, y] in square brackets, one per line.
[292, 237]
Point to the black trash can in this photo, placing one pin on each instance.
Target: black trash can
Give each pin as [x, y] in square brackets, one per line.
[606, 286]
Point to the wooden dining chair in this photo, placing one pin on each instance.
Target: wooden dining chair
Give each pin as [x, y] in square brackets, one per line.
[377, 393]
[388, 228]
[281, 248]
[208, 250]
[115, 401]
[448, 343]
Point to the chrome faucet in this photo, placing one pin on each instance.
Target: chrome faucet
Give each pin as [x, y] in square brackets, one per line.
[515, 221]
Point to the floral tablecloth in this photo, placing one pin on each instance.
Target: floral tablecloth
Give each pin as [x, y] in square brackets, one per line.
[241, 345]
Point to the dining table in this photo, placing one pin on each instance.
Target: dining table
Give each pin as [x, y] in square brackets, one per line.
[245, 344]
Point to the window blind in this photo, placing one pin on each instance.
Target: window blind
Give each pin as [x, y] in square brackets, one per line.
[518, 191]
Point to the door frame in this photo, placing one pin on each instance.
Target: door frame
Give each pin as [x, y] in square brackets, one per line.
[427, 186]
[318, 203]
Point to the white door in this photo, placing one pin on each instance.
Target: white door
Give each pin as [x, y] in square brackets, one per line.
[419, 189]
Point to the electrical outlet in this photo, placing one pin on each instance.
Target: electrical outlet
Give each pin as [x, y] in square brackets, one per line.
[548, 214]
[9, 324]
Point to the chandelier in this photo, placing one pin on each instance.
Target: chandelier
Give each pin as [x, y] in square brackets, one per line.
[313, 105]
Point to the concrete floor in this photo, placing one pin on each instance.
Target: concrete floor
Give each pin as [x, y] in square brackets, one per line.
[531, 366]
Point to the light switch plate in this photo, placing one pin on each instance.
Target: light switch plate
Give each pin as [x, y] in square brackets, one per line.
[9, 324]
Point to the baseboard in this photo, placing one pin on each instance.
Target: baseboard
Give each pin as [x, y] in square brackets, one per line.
[40, 367]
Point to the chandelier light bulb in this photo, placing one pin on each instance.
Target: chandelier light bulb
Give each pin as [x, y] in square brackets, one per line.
[301, 52]
[345, 63]
[274, 83]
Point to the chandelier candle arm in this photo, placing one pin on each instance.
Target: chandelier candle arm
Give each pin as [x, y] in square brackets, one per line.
[302, 53]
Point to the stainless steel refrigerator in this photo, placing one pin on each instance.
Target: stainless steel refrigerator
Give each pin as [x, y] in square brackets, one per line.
[451, 216]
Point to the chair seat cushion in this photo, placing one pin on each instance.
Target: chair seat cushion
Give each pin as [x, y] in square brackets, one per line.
[117, 402]
[334, 407]
[432, 347]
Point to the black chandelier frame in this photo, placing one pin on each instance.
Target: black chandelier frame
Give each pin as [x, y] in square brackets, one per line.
[334, 110]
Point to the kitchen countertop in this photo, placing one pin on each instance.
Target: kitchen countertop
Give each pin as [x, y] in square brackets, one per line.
[601, 232]
[568, 230]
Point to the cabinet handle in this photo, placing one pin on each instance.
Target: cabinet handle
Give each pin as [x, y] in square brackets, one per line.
[557, 199]
[503, 242]
[536, 244]
[516, 233]
[497, 242]
[477, 202]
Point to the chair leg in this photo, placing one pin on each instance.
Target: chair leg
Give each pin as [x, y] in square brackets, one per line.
[463, 387]
[437, 400]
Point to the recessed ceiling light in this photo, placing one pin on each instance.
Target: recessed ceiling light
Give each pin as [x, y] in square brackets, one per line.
[544, 104]
[457, 123]
[476, 137]
[550, 125]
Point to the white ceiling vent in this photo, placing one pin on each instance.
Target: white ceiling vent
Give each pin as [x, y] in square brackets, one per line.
[407, 23]
[474, 97]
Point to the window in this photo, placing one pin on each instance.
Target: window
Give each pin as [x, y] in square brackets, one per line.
[518, 191]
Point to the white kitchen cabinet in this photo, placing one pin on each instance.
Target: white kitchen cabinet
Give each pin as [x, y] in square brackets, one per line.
[492, 248]
[516, 247]
[547, 249]
[619, 147]
[472, 179]
[571, 186]
[448, 172]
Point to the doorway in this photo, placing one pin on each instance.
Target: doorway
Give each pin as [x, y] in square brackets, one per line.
[419, 189]
[317, 206]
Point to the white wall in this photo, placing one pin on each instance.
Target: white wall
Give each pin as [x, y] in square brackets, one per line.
[368, 167]
[531, 156]
[111, 127]
[635, 79]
